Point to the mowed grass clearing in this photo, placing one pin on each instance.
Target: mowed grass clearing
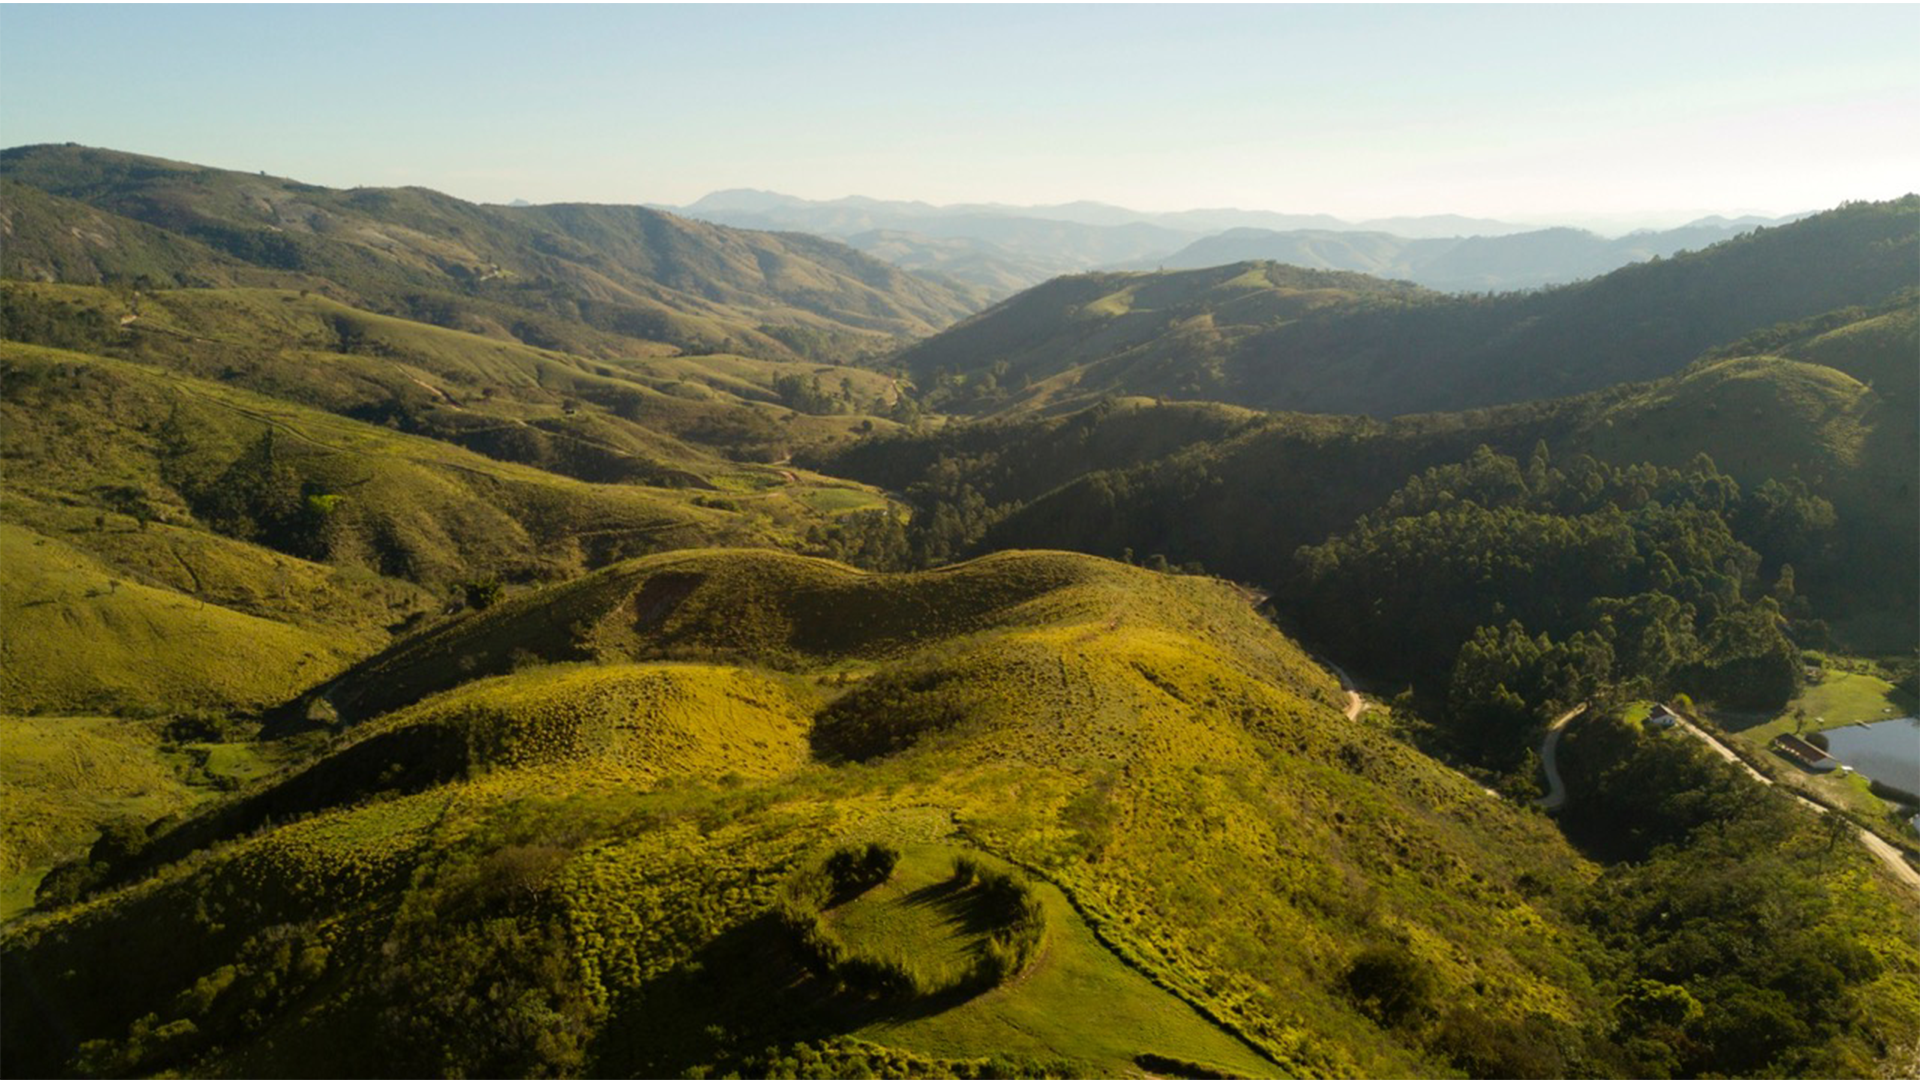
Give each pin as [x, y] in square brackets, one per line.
[915, 918]
[1837, 700]
[1077, 1000]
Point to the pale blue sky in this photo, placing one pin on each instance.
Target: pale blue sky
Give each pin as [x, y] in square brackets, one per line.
[1516, 112]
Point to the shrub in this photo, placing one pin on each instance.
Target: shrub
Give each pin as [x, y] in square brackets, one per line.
[1390, 985]
[1014, 909]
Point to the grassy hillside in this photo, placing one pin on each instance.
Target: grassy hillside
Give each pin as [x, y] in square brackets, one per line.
[646, 419]
[1145, 745]
[527, 273]
[147, 444]
[1077, 338]
[65, 777]
[49, 238]
[168, 528]
[80, 637]
[1364, 346]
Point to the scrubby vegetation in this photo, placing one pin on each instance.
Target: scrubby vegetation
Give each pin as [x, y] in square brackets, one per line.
[1748, 945]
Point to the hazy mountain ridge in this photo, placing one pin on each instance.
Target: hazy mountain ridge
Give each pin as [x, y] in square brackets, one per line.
[1388, 350]
[1456, 264]
[1003, 248]
[523, 272]
[1083, 213]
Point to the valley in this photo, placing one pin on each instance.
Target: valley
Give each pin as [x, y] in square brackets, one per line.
[442, 638]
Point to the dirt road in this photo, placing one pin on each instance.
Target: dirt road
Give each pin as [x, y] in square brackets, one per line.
[1355, 703]
[1556, 795]
[1897, 864]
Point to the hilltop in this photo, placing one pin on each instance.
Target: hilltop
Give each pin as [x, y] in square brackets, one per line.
[1059, 712]
[1380, 349]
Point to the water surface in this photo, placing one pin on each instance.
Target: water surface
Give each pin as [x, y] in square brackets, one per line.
[1887, 751]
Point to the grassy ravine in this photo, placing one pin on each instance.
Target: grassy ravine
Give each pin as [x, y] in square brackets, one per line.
[1144, 742]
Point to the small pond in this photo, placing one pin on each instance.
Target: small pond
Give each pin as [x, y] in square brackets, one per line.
[1887, 751]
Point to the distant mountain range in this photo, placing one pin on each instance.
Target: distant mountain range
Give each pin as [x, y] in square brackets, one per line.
[1457, 264]
[1004, 249]
[539, 274]
[1268, 335]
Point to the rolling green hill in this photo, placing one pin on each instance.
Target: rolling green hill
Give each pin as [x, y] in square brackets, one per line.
[1240, 492]
[1077, 338]
[149, 444]
[1067, 714]
[80, 637]
[1246, 334]
[671, 420]
[49, 238]
[163, 529]
[527, 273]
[580, 867]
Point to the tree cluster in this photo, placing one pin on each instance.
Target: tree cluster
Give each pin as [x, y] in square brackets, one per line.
[1512, 592]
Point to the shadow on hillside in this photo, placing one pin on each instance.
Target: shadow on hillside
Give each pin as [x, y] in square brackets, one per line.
[960, 906]
[742, 992]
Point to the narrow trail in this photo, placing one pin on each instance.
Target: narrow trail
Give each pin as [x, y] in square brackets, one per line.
[1556, 796]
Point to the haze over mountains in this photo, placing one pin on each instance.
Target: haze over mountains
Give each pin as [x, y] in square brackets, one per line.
[450, 639]
[1273, 336]
[1007, 248]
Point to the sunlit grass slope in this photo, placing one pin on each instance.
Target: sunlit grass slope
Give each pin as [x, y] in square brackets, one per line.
[632, 417]
[61, 778]
[76, 636]
[1224, 841]
[1078, 1000]
[777, 609]
[92, 430]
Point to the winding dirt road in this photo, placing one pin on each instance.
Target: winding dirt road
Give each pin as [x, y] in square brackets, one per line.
[1556, 796]
[1355, 703]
